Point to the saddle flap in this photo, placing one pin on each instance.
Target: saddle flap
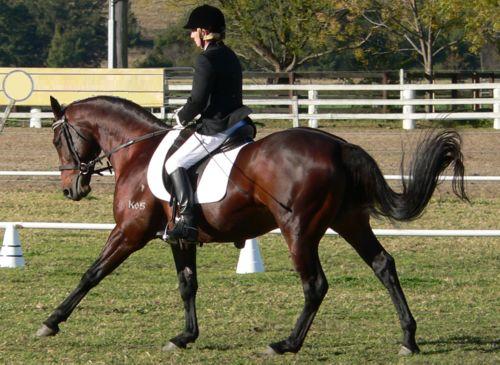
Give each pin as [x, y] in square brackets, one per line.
[210, 174]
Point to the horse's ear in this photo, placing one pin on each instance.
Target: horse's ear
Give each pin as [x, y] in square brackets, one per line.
[56, 108]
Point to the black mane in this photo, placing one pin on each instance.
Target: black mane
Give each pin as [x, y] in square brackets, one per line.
[123, 106]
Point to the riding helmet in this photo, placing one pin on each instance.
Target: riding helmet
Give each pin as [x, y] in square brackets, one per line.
[206, 17]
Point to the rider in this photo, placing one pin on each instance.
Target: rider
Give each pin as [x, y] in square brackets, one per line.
[216, 95]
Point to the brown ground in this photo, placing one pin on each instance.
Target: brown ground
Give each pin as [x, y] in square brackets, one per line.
[31, 149]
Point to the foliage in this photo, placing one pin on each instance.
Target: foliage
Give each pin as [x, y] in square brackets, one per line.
[480, 20]
[77, 40]
[20, 42]
[427, 29]
[68, 33]
[282, 35]
[173, 47]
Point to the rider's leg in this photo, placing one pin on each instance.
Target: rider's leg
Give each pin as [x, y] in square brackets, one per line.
[185, 228]
[194, 149]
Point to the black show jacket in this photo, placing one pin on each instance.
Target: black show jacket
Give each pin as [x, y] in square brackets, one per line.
[217, 91]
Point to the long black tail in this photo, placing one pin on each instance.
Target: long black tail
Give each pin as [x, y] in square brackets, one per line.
[433, 155]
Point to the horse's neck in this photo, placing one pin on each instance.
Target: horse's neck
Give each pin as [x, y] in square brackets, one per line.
[114, 135]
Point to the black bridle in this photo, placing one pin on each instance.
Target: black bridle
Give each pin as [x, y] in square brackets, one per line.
[88, 168]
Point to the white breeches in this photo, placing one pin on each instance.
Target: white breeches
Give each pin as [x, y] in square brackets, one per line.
[196, 147]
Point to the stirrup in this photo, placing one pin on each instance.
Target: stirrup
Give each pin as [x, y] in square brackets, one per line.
[182, 231]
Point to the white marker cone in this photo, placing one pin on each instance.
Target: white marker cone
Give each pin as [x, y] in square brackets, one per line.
[250, 260]
[11, 254]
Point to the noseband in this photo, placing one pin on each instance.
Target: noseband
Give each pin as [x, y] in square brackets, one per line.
[86, 168]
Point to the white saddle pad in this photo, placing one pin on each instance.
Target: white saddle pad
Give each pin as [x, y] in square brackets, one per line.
[213, 182]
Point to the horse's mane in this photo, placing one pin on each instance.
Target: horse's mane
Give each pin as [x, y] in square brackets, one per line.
[124, 107]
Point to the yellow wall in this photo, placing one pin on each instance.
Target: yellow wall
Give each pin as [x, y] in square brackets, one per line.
[143, 86]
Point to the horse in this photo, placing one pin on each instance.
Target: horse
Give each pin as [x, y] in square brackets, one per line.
[300, 180]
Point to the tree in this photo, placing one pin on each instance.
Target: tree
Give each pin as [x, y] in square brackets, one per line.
[79, 29]
[282, 35]
[20, 44]
[83, 38]
[173, 47]
[428, 28]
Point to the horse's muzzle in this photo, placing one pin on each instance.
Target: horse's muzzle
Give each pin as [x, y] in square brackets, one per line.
[80, 187]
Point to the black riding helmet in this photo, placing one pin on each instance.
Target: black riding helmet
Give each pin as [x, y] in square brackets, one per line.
[207, 17]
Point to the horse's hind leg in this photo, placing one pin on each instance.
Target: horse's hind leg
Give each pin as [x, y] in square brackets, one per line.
[185, 263]
[304, 251]
[358, 233]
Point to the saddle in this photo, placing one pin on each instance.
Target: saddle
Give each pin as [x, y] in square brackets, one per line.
[240, 137]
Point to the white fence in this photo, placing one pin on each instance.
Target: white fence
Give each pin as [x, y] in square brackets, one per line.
[315, 101]
[378, 232]
[106, 173]
[407, 100]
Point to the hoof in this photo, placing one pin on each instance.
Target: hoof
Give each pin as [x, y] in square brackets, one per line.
[169, 347]
[405, 351]
[45, 331]
[269, 351]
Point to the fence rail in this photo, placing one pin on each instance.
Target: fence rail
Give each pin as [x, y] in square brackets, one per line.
[408, 100]
[107, 173]
[316, 99]
[378, 232]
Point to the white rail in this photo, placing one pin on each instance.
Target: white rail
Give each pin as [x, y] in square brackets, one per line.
[378, 232]
[407, 99]
[107, 173]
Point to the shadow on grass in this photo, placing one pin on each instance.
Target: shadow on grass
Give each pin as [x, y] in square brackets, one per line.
[465, 343]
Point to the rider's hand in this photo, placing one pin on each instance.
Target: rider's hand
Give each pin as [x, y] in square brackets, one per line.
[178, 123]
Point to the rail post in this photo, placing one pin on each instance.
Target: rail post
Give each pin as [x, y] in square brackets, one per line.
[295, 111]
[35, 120]
[312, 109]
[496, 107]
[408, 123]
[406, 95]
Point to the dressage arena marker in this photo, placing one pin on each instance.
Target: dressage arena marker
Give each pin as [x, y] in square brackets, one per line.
[250, 260]
[17, 86]
[11, 254]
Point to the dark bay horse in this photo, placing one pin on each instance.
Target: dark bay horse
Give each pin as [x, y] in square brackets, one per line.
[300, 180]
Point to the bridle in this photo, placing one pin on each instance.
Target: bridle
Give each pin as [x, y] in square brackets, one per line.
[88, 168]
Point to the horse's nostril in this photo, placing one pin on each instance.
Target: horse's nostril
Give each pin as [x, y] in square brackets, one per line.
[66, 193]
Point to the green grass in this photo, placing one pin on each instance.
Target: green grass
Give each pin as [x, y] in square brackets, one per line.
[451, 285]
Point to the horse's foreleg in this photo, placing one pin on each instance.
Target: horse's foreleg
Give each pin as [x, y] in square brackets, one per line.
[306, 261]
[113, 254]
[185, 263]
[383, 265]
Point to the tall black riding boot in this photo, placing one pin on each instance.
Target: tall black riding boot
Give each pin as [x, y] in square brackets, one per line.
[185, 228]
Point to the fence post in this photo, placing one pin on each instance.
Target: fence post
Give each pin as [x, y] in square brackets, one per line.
[408, 123]
[496, 107]
[406, 94]
[312, 109]
[295, 111]
[35, 120]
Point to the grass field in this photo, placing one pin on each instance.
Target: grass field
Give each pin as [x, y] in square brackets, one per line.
[451, 283]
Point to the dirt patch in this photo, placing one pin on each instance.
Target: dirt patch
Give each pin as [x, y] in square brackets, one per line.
[31, 149]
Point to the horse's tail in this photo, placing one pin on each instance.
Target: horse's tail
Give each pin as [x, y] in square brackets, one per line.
[434, 154]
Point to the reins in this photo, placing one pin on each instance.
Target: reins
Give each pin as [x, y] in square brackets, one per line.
[89, 167]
